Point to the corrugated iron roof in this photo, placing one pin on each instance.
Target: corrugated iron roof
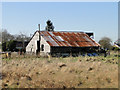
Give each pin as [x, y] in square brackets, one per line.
[73, 39]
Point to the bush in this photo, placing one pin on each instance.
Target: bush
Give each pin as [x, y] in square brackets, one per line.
[105, 42]
[8, 45]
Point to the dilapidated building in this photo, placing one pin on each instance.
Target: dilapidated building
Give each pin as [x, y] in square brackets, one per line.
[58, 43]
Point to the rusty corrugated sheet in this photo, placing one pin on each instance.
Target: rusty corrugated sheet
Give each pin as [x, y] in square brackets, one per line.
[73, 39]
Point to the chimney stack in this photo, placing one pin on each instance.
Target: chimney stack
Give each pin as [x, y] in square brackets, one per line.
[39, 27]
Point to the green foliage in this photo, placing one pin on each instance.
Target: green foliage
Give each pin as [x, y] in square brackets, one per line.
[8, 45]
[49, 26]
[116, 49]
[4, 46]
[105, 42]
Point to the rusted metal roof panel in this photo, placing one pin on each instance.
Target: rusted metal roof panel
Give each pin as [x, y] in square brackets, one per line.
[72, 39]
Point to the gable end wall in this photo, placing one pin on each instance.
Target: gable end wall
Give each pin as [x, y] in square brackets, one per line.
[32, 45]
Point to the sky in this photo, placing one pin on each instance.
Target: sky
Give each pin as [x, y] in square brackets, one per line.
[98, 17]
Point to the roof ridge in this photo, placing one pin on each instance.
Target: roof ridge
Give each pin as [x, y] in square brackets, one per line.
[61, 31]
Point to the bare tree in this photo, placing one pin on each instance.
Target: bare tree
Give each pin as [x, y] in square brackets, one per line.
[6, 36]
[21, 37]
[8, 40]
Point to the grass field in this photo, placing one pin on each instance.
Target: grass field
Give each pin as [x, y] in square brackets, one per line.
[70, 72]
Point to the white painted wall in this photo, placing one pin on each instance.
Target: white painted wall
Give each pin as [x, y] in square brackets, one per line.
[46, 45]
[32, 45]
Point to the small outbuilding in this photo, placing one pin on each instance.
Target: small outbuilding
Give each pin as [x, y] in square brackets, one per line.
[61, 43]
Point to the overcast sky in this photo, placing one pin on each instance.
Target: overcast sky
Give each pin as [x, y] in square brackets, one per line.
[99, 17]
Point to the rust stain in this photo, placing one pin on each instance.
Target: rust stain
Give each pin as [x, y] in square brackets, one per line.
[74, 39]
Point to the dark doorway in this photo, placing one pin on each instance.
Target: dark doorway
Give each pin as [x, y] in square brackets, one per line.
[38, 46]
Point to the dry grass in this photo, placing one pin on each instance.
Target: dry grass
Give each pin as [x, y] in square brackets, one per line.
[71, 72]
